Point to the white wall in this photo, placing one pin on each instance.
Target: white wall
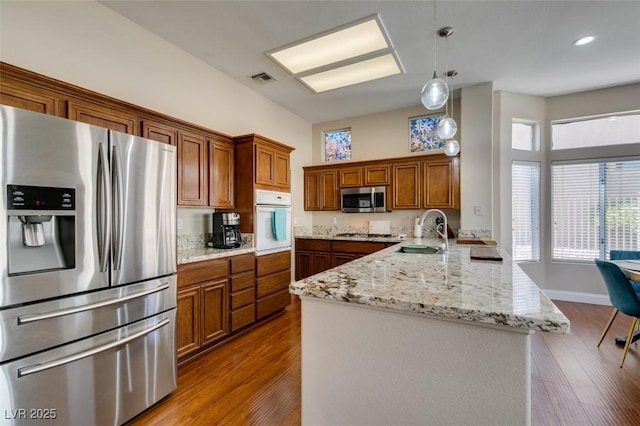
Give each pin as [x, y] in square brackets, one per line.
[91, 46]
[476, 164]
[373, 136]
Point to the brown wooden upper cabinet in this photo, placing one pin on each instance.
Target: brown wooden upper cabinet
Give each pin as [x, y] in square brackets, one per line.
[441, 184]
[405, 193]
[159, 132]
[205, 170]
[19, 95]
[370, 175]
[192, 169]
[205, 157]
[220, 173]
[98, 115]
[269, 159]
[321, 190]
[416, 182]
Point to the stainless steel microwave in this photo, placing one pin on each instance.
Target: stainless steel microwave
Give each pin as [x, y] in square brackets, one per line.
[364, 200]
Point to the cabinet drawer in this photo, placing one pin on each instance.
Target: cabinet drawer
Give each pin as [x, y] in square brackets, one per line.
[270, 263]
[273, 303]
[272, 283]
[243, 317]
[202, 271]
[243, 298]
[315, 245]
[356, 247]
[241, 281]
[244, 262]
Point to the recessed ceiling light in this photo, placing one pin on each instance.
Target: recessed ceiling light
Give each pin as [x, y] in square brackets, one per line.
[359, 72]
[350, 41]
[584, 40]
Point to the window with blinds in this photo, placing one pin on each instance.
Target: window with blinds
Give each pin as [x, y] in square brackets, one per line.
[595, 208]
[525, 210]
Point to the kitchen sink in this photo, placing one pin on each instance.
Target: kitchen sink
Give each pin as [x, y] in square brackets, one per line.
[419, 249]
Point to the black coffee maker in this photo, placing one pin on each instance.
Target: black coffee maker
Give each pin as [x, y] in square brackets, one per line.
[226, 232]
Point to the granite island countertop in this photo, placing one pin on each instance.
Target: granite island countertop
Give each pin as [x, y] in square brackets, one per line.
[447, 285]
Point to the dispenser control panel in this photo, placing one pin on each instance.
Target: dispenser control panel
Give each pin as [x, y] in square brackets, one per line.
[22, 197]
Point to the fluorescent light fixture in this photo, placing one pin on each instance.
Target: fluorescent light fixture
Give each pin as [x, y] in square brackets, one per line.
[356, 39]
[347, 75]
[584, 40]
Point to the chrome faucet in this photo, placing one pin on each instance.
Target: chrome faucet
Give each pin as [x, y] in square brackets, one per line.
[443, 234]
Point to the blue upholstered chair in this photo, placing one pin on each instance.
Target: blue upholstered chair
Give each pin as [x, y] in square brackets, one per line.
[624, 255]
[623, 298]
[627, 255]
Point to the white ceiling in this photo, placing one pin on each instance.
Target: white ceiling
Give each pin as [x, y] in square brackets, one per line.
[522, 46]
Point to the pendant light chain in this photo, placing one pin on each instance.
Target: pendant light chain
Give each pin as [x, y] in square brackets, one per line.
[435, 41]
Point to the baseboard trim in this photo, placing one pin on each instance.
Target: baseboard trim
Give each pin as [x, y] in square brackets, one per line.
[570, 296]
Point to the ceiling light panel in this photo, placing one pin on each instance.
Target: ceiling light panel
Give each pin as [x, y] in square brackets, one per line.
[357, 39]
[359, 72]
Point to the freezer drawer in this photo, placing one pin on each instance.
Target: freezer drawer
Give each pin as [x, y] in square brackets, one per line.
[103, 380]
[39, 326]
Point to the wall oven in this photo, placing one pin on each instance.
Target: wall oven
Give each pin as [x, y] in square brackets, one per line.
[273, 222]
[364, 200]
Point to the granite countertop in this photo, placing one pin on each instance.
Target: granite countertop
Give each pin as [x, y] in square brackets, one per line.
[355, 237]
[206, 253]
[447, 285]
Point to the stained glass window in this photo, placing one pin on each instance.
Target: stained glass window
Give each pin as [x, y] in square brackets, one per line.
[422, 134]
[337, 145]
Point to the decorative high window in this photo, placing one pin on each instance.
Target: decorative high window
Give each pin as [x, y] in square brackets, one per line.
[422, 134]
[337, 145]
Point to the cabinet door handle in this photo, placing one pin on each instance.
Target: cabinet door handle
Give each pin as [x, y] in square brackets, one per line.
[36, 368]
[25, 319]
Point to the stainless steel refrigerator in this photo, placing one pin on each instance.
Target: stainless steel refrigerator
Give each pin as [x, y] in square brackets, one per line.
[88, 269]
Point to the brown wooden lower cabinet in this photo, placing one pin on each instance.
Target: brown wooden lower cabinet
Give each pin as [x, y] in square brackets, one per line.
[273, 276]
[338, 259]
[217, 298]
[243, 291]
[215, 310]
[188, 320]
[314, 256]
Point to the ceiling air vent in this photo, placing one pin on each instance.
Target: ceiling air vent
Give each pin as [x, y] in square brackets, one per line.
[262, 78]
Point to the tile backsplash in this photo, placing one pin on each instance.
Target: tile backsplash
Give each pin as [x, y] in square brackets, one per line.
[196, 241]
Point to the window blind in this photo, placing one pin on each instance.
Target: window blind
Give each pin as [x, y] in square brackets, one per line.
[525, 210]
[595, 209]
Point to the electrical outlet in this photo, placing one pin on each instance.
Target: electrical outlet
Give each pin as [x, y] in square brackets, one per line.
[335, 221]
[179, 224]
[477, 210]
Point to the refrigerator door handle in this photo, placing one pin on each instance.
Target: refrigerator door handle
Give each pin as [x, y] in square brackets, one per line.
[104, 208]
[118, 207]
[36, 368]
[29, 318]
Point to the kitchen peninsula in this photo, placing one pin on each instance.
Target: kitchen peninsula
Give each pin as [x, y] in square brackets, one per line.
[399, 338]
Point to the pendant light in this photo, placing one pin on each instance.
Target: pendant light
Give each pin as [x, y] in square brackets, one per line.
[447, 126]
[452, 146]
[435, 92]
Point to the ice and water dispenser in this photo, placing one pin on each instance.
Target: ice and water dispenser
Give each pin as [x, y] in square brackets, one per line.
[41, 228]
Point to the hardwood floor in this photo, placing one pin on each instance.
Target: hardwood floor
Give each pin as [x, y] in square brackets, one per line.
[255, 379]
